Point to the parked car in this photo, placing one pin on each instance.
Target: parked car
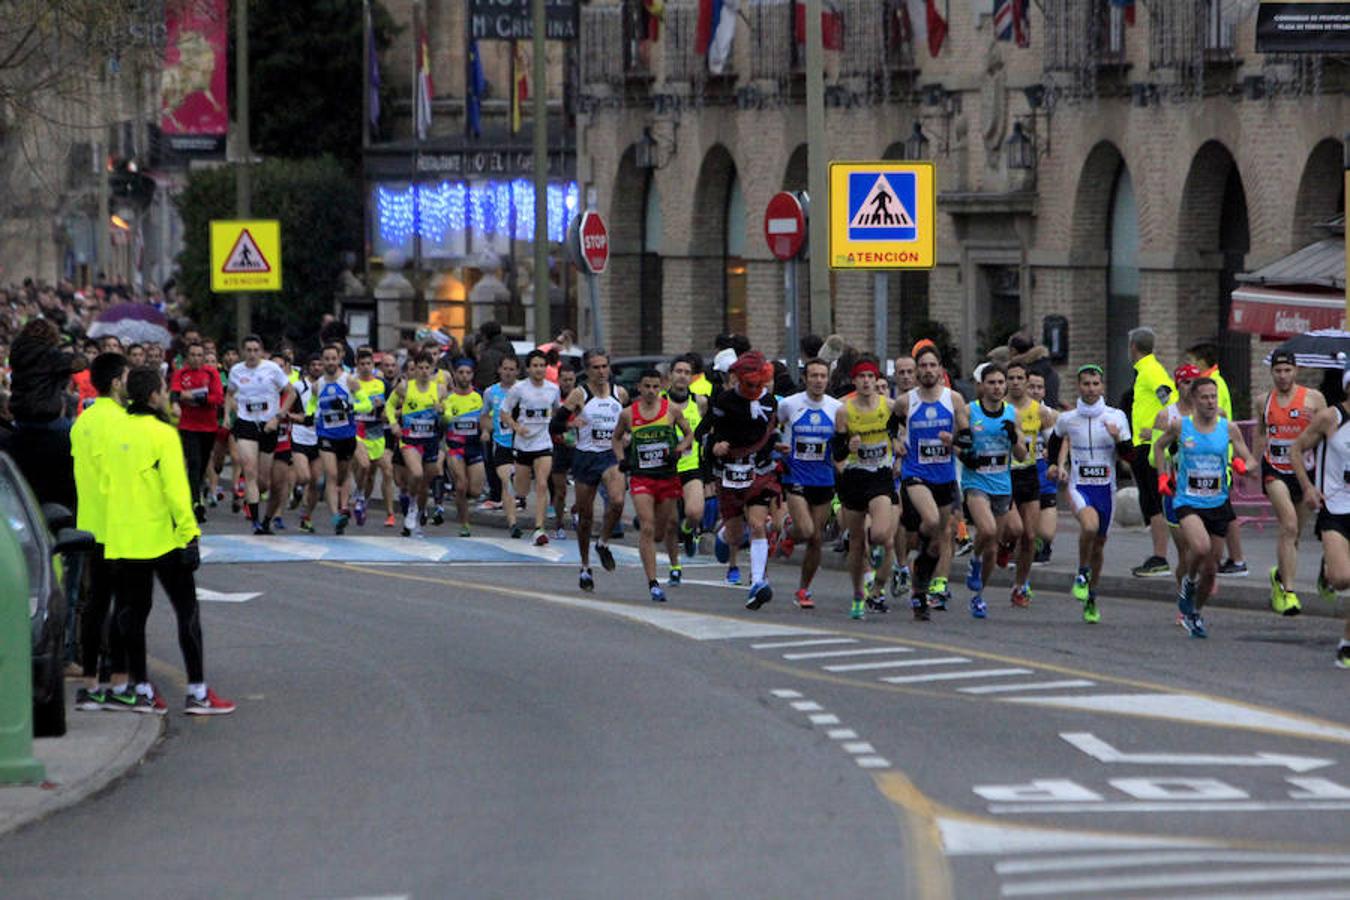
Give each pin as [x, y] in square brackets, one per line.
[626, 371]
[44, 533]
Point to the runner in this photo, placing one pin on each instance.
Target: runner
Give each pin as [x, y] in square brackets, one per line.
[1092, 435]
[372, 454]
[865, 430]
[337, 395]
[808, 420]
[393, 377]
[1033, 418]
[1331, 499]
[527, 411]
[595, 406]
[1202, 488]
[1047, 471]
[463, 440]
[1288, 410]
[740, 431]
[256, 392]
[305, 444]
[197, 396]
[905, 540]
[1183, 377]
[564, 451]
[934, 419]
[987, 484]
[690, 468]
[282, 475]
[659, 435]
[413, 412]
[502, 458]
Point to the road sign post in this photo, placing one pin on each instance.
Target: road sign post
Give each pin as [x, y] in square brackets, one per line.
[785, 232]
[588, 239]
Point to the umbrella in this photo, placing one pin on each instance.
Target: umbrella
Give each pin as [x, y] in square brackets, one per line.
[133, 323]
[1318, 349]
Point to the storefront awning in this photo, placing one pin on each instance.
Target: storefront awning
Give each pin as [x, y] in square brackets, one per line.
[1278, 313]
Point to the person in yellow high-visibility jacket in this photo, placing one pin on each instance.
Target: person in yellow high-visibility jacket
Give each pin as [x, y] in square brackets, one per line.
[89, 438]
[153, 534]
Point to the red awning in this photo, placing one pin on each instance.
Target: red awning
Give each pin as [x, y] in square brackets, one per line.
[1275, 314]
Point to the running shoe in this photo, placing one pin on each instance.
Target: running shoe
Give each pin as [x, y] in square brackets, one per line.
[559, 534]
[1343, 656]
[938, 600]
[340, 523]
[307, 526]
[278, 524]
[899, 582]
[1196, 626]
[540, 537]
[721, 549]
[760, 593]
[689, 539]
[658, 595]
[297, 494]
[1232, 569]
[803, 599]
[676, 576]
[1324, 590]
[516, 532]
[785, 547]
[359, 509]
[520, 504]
[974, 579]
[1153, 567]
[856, 610]
[1090, 613]
[586, 581]
[1021, 596]
[734, 575]
[131, 701]
[1292, 605]
[438, 515]
[869, 582]
[90, 701]
[938, 585]
[920, 608]
[964, 546]
[1003, 554]
[210, 705]
[877, 604]
[1082, 584]
[978, 608]
[875, 554]
[262, 528]
[464, 531]
[390, 521]
[1042, 557]
[1284, 602]
[606, 556]
[490, 505]
[214, 498]
[1186, 599]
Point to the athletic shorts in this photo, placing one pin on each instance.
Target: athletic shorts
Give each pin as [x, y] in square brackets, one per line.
[1049, 501]
[1146, 479]
[813, 494]
[1328, 521]
[502, 456]
[282, 456]
[562, 458]
[471, 450]
[1097, 496]
[590, 466]
[1269, 473]
[859, 487]
[343, 448]
[1026, 485]
[999, 504]
[732, 502]
[1216, 518]
[245, 430]
[374, 448]
[308, 451]
[944, 494]
[428, 448]
[659, 489]
[690, 475]
[527, 457]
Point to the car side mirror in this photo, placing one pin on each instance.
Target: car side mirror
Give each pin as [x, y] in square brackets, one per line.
[72, 540]
[58, 517]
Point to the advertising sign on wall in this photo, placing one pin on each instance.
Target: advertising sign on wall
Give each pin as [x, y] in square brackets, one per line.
[1305, 26]
[194, 114]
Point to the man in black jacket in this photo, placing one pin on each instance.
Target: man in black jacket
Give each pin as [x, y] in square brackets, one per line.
[38, 402]
[1037, 361]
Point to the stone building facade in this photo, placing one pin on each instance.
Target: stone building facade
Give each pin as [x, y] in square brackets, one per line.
[1111, 172]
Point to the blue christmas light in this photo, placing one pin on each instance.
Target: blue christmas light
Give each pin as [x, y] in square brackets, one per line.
[396, 213]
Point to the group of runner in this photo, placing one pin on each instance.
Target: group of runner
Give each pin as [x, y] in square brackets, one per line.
[896, 463]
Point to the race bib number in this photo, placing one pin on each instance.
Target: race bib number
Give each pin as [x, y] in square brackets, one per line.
[991, 463]
[808, 450]
[602, 434]
[420, 428]
[1279, 452]
[1094, 473]
[334, 419]
[872, 453]
[653, 455]
[1204, 484]
[934, 452]
[466, 426]
[255, 406]
[535, 413]
[738, 476]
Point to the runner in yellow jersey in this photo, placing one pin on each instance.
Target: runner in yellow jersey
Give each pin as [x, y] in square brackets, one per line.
[690, 465]
[1033, 417]
[414, 412]
[463, 442]
[372, 452]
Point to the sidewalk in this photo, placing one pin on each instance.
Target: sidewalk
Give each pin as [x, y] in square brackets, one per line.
[97, 749]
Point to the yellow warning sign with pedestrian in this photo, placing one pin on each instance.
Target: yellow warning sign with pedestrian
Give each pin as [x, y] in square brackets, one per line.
[245, 255]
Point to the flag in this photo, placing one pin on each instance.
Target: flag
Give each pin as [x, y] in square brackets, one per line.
[656, 14]
[477, 84]
[831, 25]
[1011, 22]
[1128, 6]
[936, 27]
[521, 92]
[424, 86]
[373, 101]
[709, 14]
[719, 51]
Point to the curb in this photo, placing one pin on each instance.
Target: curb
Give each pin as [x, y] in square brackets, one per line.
[98, 750]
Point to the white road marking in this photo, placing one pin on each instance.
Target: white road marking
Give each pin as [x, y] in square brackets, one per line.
[834, 654]
[1101, 751]
[696, 626]
[859, 747]
[1062, 886]
[1026, 686]
[975, 837]
[220, 597]
[824, 719]
[405, 546]
[304, 548]
[784, 694]
[953, 676]
[775, 645]
[841, 734]
[1333, 894]
[1189, 708]
[1170, 858]
[897, 663]
[1127, 806]
[807, 706]
[873, 762]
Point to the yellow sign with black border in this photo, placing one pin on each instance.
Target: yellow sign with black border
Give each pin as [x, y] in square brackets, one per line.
[245, 255]
[883, 215]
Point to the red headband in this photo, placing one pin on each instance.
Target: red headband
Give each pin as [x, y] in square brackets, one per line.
[865, 366]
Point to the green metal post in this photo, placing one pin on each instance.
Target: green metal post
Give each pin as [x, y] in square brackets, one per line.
[17, 765]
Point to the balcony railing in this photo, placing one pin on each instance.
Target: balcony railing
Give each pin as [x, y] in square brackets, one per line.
[772, 30]
[602, 35]
[1082, 36]
[1185, 34]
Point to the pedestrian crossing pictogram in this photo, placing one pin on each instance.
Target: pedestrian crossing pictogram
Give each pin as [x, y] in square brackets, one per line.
[245, 257]
[881, 206]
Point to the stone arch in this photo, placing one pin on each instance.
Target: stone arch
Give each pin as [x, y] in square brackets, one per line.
[629, 322]
[1089, 231]
[710, 283]
[795, 174]
[1321, 192]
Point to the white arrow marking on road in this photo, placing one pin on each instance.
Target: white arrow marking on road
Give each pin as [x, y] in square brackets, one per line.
[218, 597]
[1102, 751]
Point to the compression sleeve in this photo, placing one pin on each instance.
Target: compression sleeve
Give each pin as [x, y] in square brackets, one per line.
[1052, 447]
[839, 447]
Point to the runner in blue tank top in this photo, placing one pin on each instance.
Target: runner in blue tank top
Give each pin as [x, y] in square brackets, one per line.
[807, 421]
[337, 396]
[1201, 484]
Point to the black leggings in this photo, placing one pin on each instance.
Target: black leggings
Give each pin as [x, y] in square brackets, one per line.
[197, 447]
[135, 591]
[98, 639]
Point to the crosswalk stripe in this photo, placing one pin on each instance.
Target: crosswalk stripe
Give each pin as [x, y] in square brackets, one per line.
[1061, 886]
[1027, 686]
[897, 664]
[774, 645]
[1172, 858]
[953, 676]
[833, 654]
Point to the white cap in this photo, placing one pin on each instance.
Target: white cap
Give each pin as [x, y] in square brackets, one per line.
[723, 360]
[979, 370]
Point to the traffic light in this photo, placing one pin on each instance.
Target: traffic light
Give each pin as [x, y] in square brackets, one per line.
[127, 184]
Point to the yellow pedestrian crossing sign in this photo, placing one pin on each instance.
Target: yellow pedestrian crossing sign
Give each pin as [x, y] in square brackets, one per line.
[245, 255]
[883, 215]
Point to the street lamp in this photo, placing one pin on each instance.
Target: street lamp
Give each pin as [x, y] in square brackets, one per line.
[1021, 149]
[916, 145]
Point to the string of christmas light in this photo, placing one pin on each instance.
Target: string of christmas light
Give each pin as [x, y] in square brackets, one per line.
[440, 209]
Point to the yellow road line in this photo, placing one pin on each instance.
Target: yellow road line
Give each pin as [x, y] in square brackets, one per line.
[930, 875]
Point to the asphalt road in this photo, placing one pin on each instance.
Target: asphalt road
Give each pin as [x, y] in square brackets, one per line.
[488, 730]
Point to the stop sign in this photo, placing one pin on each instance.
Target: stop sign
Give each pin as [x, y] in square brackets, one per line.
[784, 225]
[593, 235]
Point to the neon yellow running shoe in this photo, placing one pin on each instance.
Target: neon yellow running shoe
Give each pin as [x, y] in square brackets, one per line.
[1090, 613]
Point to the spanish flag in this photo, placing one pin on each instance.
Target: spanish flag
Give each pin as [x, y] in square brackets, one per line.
[522, 88]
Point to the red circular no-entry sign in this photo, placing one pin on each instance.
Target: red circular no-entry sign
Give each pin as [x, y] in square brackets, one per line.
[593, 235]
[784, 225]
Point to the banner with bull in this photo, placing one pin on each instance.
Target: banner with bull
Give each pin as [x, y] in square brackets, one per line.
[194, 114]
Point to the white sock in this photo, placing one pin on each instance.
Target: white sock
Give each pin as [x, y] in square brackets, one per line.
[759, 558]
[120, 687]
[198, 690]
[146, 689]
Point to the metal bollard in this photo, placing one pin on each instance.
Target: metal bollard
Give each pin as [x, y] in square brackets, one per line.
[17, 764]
